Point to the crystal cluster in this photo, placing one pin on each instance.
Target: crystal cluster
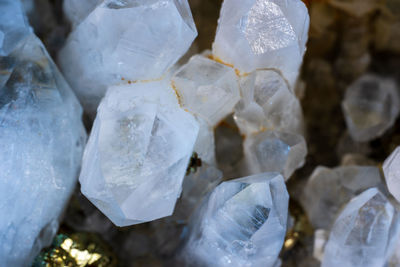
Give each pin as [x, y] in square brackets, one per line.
[41, 140]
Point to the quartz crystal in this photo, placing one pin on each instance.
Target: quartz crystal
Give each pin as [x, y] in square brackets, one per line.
[391, 169]
[242, 223]
[267, 103]
[41, 142]
[371, 106]
[207, 88]
[327, 190]
[130, 40]
[138, 152]
[205, 143]
[273, 151]
[364, 234]
[261, 34]
[78, 10]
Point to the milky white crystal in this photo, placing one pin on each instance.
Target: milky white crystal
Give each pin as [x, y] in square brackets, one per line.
[131, 40]
[273, 151]
[267, 103]
[205, 143]
[138, 153]
[41, 144]
[364, 234]
[242, 223]
[259, 34]
[371, 106]
[328, 190]
[207, 88]
[78, 10]
[391, 169]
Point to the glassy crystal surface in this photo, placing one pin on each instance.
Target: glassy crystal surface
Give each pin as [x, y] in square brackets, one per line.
[78, 10]
[259, 34]
[138, 153]
[207, 88]
[267, 103]
[242, 223]
[273, 151]
[205, 143]
[131, 40]
[391, 169]
[364, 234]
[371, 106]
[328, 190]
[41, 144]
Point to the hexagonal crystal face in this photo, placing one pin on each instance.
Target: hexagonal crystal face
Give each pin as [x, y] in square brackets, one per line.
[259, 34]
[391, 168]
[371, 106]
[207, 88]
[138, 150]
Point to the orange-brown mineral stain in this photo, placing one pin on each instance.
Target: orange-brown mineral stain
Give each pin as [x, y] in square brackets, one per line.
[178, 96]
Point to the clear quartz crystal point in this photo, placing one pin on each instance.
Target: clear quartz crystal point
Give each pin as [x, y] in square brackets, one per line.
[328, 190]
[371, 106]
[364, 234]
[273, 151]
[267, 103]
[138, 153]
[41, 143]
[241, 223]
[391, 169]
[207, 88]
[131, 40]
[263, 34]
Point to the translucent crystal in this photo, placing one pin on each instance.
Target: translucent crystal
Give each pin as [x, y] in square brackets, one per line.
[138, 153]
[371, 106]
[78, 10]
[364, 234]
[242, 223]
[207, 88]
[41, 145]
[321, 237]
[273, 151]
[259, 34]
[391, 168]
[205, 143]
[327, 190]
[131, 40]
[267, 103]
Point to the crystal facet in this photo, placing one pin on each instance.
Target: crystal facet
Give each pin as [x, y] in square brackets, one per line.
[391, 168]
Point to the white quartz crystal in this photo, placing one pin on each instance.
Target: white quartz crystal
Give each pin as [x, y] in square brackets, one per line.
[391, 169]
[78, 10]
[328, 190]
[242, 223]
[260, 34]
[131, 40]
[273, 151]
[41, 142]
[364, 234]
[371, 106]
[207, 88]
[205, 143]
[321, 237]
[267, 103]
[138, 153]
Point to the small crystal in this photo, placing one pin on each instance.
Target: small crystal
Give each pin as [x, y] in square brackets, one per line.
[371, 106]
[321, 237]
[364, 234]
[205, 143]
[242, 223]
[391, 168]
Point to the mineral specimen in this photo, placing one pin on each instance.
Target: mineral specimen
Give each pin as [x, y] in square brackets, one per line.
[260, 34]
[391, 168]
[77, 10]
[364, 234]
[242, 223]
[138, 152]
[131, 40]
[41, 141]
[371, 106]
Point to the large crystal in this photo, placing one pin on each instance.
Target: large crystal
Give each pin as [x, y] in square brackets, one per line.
[207, 88]
[41, 145]
[273, 151]
[391, 168]
[131, 40]
[267, 103]
[260, 34]
[242, 223]
[138, 153]
[328, 190]
[371, 106]
[364, 234]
